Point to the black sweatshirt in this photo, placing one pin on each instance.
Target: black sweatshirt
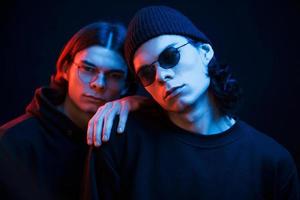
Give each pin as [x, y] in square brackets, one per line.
[43, 154]
[154, 159]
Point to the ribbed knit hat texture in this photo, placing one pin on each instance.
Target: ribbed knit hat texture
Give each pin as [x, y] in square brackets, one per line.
[152, 21]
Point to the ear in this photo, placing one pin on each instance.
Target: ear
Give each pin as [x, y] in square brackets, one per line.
[65, 71]
[207, 52]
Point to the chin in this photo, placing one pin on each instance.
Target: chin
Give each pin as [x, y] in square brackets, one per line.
[91, 109]
[177, 106]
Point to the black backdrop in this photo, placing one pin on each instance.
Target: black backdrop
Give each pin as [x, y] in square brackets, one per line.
[259, 39]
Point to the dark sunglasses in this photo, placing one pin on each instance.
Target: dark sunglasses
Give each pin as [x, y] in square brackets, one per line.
[168, 58]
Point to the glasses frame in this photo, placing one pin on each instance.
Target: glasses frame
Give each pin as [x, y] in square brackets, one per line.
[79, 65]
[163, 66]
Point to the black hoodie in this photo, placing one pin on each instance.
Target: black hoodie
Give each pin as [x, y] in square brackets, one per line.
[43, 154]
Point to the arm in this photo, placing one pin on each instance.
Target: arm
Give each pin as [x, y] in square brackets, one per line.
[107, 177]
[289, 187]
[108, 164]
[99, 126]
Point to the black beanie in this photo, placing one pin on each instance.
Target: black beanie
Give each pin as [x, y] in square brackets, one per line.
[152, 21]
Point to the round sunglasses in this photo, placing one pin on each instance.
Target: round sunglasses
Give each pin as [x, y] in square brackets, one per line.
[168, 58]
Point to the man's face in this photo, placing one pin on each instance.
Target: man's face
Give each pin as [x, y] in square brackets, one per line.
[96, 76]
[181, 86]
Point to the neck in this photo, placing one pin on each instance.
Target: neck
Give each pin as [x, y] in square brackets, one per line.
[203, 117]
[72, 111]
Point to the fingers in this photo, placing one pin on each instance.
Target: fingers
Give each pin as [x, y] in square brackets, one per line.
[123, 117]
[97, 130]
[108, 122]
[90, 131]
[100, 125]
[95, 125]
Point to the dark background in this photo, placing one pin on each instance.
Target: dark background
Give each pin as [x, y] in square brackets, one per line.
[259, 39]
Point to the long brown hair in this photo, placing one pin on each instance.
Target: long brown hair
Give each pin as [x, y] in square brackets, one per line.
[105, 34]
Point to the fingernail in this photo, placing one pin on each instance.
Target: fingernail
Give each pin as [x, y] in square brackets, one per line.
[105, 138]
[120, 129]
[89, 141]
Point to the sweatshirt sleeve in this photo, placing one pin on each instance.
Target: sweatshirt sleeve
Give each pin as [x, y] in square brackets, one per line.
[108, 164]
[288, 180]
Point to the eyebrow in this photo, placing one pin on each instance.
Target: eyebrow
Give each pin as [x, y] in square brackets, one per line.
[88, 63]
[107, 71]
[170, 45]
[116, 71]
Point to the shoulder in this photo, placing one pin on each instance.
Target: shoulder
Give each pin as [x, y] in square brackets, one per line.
[139, 127]
[267, 147]
[275, 159]
[19, 129]
[262, 140]
[151, 118]
[17, 139]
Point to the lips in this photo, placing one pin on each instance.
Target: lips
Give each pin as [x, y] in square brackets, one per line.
[94, 98]
[173, 92]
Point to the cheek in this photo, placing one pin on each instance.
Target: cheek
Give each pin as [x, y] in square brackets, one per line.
[115, 90]
[193, 73]
[155, 92]
[75, 86]
[189, 59]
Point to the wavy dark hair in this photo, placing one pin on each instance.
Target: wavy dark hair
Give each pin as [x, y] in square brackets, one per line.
[98, 33]
[224, 87]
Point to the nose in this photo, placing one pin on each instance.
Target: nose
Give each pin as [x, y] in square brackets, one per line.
[99, 82]
[163, 75]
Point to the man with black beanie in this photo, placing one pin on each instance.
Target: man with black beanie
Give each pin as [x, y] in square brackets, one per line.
[192, 147]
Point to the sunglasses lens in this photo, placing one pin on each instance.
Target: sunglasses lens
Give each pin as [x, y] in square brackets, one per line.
[169, 57]
[147, 75]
